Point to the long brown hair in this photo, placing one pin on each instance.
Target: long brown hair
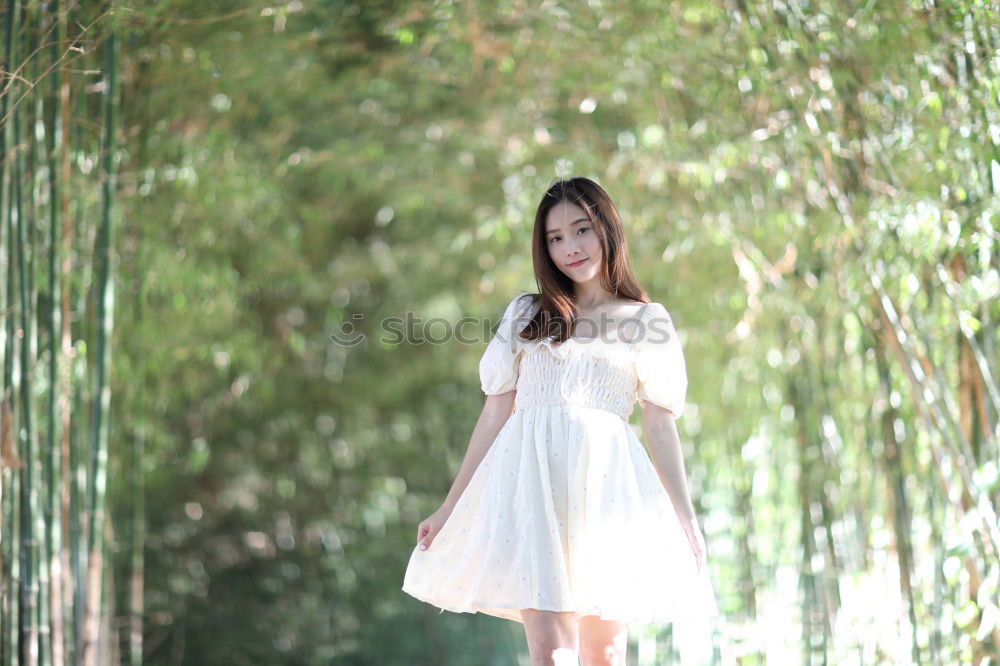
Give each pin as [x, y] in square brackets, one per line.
[557, 313]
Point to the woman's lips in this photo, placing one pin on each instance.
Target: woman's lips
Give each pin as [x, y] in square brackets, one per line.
[574, 265]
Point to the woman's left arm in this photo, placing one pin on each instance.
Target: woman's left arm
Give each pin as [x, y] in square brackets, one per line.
[663, 440]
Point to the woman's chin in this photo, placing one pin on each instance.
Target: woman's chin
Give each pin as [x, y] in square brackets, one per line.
[581, 279]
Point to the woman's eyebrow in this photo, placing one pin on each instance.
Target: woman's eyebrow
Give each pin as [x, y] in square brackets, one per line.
[582, 219]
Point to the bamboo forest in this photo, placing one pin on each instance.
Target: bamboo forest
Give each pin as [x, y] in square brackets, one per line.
[199, 200]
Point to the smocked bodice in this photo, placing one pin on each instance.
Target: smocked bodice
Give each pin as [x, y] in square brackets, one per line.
[584, 373]
[609, 373]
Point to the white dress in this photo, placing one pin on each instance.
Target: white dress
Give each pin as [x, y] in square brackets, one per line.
[566, 511]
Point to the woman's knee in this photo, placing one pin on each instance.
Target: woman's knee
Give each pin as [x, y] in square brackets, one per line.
[602, 655]
[602, 642]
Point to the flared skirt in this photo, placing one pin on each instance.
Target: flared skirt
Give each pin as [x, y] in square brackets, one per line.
[566, 513]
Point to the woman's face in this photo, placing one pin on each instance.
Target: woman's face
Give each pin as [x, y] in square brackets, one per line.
[573, 243]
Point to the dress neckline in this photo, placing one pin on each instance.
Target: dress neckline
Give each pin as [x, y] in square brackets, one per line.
[640, 317]
[574, 338]
[603, 338]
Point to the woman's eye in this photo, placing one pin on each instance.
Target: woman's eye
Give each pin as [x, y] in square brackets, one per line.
[555, 238]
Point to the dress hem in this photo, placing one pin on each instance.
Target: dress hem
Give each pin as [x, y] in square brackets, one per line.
[514, 612]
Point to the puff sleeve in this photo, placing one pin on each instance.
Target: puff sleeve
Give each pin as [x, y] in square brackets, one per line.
[498, 367]
[659, 361]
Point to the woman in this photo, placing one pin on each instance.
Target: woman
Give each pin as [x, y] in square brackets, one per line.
[558, 518]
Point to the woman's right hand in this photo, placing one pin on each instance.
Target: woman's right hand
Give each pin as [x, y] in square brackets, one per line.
[430, 526]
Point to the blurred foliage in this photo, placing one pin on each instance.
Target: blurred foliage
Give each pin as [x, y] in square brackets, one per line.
[810, 188]
[305, 163]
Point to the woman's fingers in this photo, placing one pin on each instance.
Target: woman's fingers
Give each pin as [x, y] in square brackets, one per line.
[424, 536]
[697, 548]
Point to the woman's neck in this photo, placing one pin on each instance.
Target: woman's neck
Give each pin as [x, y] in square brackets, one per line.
[591, 297]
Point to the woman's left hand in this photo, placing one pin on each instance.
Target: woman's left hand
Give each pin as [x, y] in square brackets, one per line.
[697, 540]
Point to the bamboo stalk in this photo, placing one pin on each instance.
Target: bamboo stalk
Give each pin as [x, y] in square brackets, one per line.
[40, 181]
[972, 498]
[28, 618]
[102, 388]
[9, 476]
[892, 462]
[942, 458]
[982, 361]
[138, 548]
[940, 390]
[74, 385]
[54, 481]
[815, 616]
[929, 409]
[66, 582]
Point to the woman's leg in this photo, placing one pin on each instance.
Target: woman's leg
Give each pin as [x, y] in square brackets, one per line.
[602, 642]
[553, 637]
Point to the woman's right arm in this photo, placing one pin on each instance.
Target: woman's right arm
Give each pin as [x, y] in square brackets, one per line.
[496, 411]
[498, 373]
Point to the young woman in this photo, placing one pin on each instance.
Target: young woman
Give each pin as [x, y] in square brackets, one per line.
[558, 518]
